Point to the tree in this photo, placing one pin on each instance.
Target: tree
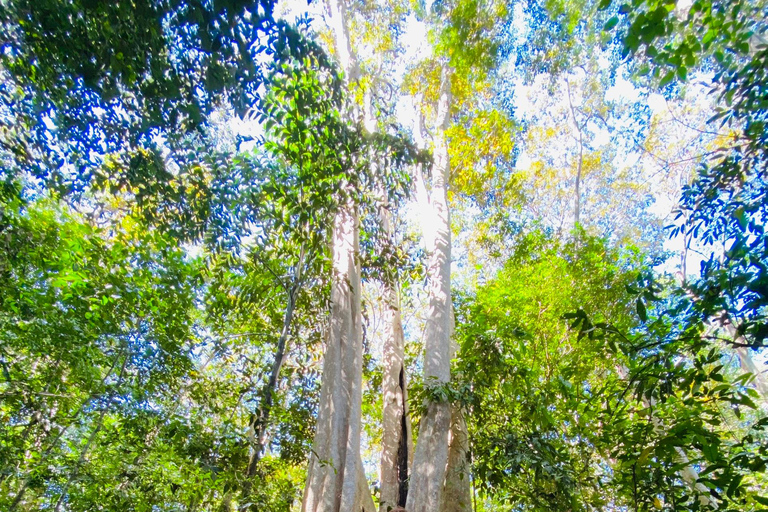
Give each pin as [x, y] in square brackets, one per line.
[336, 479]
[92, 329]
[534, 389]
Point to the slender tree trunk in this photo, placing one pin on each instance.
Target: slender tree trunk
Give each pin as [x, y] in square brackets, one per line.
[746, 363]
[577, 207]
[691, 477]
[260, 422]
[431, 455]
[579, 163]
[396, 440]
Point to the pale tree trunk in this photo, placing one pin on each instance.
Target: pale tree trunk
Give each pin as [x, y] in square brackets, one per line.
[579, 163]
[431, 455]
[457, 495]
[747, 364]
[396, 440]
[690, 476]
[335, 478]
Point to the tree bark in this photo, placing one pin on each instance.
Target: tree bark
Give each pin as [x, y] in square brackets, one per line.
[336, 479]
[396, 440]
[431, 455]
[335, 468]
[457, 494]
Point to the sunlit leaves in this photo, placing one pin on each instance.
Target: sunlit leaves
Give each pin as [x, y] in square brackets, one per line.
[90, 328]
[93, 79]
[478, 143]
[536, 387]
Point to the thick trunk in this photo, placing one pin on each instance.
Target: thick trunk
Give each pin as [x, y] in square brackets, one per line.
[457, 495]
[335, 477]
[396, 440]
[335, 467]
[431, 455]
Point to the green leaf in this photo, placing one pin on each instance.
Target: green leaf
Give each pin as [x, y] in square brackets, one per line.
[641, 311]
[667, 78]
[734, 486]
[741, 217]
[611, 23]
[644, 455]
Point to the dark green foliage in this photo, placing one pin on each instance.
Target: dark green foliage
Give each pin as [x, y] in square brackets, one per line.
[83, 79]
[96, 335]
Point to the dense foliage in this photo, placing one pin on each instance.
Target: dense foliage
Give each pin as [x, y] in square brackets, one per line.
[170, 172]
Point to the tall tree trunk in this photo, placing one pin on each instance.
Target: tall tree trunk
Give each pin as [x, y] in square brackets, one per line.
[579, 163]
[431, 455]
[335, 466]
[335, 478]
[457, 493]
[260, 421]
[396, 440]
